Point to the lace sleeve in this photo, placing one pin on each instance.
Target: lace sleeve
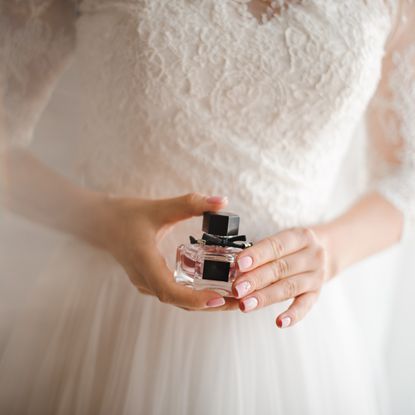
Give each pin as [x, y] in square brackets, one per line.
[391, 122]
[36, 38]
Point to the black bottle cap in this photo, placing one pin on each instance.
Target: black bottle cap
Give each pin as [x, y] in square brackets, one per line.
[220, 223]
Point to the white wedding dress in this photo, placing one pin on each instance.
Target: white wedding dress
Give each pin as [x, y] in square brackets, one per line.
[198, 95]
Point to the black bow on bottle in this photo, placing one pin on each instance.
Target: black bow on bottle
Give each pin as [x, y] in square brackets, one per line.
[231, 241]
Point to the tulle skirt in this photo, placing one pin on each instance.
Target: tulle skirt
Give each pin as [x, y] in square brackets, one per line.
[88, 343]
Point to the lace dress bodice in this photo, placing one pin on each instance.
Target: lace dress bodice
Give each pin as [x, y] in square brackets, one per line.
[174, 96]
[203, 96]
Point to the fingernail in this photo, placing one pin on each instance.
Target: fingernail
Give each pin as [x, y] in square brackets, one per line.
[249, 304]
[216, 199]
[242, 288]
[216, 302]
[244, 262]
[285, 322]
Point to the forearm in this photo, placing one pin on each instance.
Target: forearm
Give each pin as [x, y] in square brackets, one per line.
[38, 193]
[371, 225]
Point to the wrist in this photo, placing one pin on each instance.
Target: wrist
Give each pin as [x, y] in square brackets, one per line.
[96, 219]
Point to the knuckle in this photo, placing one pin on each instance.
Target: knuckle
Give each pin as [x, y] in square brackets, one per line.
[163, 297]
[283, 267]
[192, 201]
[289, 288]
[263, 299]
[275, 270]
[254, 281]
[320, 254]
[190, 198]
[308, 235]
[277, 247]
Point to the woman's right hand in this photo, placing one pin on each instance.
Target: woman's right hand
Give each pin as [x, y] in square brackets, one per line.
[129, 228]
[132, 230]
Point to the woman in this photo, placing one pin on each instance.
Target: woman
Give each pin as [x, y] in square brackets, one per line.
[254, 100]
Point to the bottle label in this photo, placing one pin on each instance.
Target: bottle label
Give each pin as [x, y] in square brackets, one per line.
[216, 270]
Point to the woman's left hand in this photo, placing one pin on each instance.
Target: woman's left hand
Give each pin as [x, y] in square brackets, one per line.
[294, 263]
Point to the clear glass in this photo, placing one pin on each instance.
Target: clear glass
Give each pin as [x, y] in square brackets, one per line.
[192, 262]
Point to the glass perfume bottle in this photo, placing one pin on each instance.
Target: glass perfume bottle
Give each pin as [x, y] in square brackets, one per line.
[210, 262]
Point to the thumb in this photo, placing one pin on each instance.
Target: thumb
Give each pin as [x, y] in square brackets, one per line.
[184, 207]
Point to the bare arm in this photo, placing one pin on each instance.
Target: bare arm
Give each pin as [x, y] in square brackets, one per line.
[371, 225]
[33, 190]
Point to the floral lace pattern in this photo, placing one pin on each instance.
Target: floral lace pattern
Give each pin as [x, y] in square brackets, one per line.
[201, 96]
[198, 96]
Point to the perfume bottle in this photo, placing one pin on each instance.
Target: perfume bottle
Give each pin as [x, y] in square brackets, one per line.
[210, 262]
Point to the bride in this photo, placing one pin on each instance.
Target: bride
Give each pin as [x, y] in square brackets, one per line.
[179, 102]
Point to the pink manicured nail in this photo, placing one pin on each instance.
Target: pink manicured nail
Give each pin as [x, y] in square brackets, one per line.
[249, 304]
[217, 199]
[242, 288]
[285, 322]
[216, 302]
[244, 262]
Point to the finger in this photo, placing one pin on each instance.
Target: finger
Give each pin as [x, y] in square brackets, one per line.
[184, 207]
[281, 291]
[297, 310]
[160, 281]
[230, 305]
[179, 295]
[275, 247]
[302, 261]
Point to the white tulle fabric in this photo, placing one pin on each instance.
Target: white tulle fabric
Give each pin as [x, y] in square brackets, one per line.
[182, 96]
